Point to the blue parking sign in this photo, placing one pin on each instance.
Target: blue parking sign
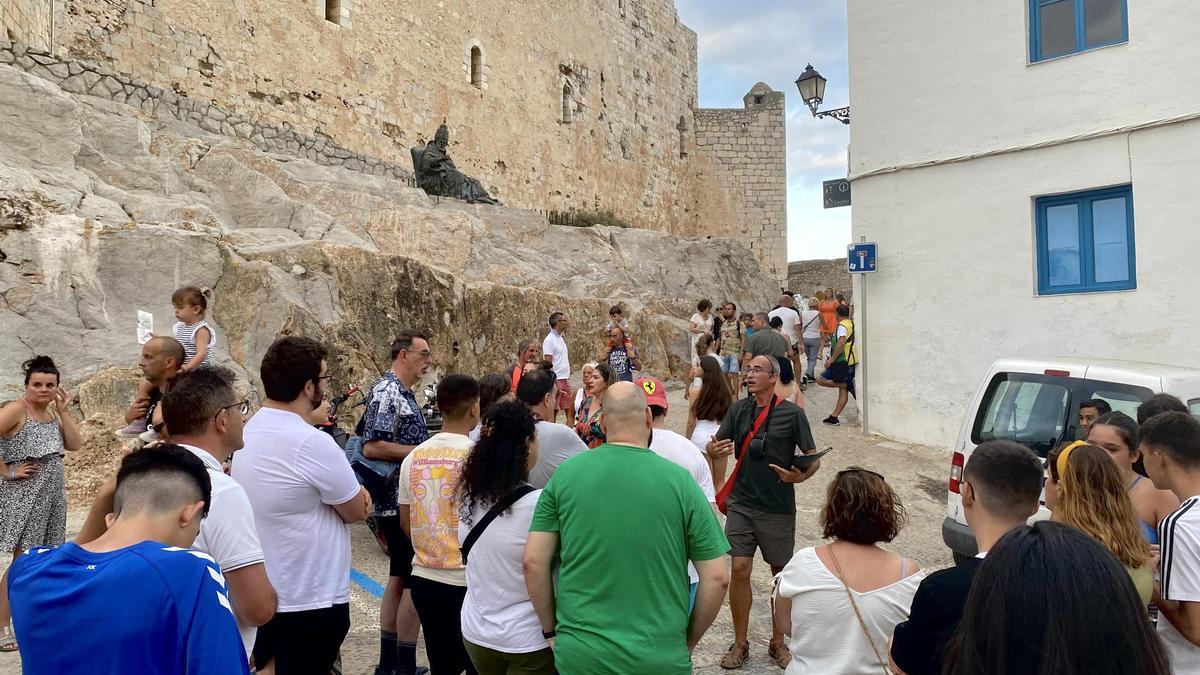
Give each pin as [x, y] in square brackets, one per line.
[860, 258]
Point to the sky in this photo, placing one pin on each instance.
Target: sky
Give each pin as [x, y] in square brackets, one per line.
[744, 42]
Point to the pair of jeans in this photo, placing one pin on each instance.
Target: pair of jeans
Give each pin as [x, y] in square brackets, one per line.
[812, 352]
[439, 607]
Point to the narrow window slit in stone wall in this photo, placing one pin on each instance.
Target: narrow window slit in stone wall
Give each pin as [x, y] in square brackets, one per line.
[477, 67]
[566, 104]
[333, 11]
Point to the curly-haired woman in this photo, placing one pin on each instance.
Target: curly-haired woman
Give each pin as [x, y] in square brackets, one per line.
[35, 431]
[499, 626]
[846, 597]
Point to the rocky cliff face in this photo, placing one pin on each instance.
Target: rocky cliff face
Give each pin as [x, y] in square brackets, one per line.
[105, 210]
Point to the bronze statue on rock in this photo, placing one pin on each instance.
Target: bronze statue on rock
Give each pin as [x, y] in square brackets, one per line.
[437, 175]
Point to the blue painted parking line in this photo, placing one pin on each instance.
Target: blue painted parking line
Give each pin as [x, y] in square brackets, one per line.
[366, 583]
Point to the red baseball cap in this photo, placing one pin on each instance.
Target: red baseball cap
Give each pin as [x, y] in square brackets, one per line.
[656, 393]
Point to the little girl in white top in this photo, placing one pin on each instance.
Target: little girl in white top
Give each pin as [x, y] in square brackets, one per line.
[193, 332]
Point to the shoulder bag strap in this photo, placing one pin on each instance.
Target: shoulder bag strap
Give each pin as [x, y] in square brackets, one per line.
[854, 605]
[493, 513]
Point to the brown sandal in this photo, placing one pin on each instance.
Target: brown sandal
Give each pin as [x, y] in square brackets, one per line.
[736, 657]
[780, 655]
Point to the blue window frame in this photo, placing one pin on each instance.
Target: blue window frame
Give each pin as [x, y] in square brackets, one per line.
[1061, 27]
[1085, 241]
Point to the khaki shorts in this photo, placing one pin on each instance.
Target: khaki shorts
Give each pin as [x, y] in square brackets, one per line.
[748, 529]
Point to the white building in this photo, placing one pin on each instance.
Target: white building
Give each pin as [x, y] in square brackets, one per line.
[1031, 173]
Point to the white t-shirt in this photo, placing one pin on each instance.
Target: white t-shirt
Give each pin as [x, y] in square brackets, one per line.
[227, 533]
[297, 474]
[497, 612]
[810, 324]
[828, 637]
[789, 317]
[556, 444]
[578, 397]
[675, 448]
[706, 324]
[1179, 539]
[555, 347]
[427, 485]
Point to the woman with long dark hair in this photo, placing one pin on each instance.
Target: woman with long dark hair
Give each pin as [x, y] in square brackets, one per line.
[1117, 433]
[706, 411]
[36, 431]
[1085, 490]
[499, 625]
[587, 417]
[1083, 616]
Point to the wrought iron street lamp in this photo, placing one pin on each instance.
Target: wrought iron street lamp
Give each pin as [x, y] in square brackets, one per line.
[812, 91]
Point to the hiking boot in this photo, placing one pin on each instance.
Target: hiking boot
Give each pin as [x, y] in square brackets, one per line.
[779, 654]
[736, 657]
[831, 421]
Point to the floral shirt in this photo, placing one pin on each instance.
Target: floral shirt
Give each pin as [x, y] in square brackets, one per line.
[392, 415]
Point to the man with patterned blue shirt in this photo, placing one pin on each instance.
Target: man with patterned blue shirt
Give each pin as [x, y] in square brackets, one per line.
[136, 599]
[390, 428]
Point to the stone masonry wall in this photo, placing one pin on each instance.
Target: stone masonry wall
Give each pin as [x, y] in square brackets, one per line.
[83, 77]
[574, 106]
[27, 21]
[808, 276]
[747, 157]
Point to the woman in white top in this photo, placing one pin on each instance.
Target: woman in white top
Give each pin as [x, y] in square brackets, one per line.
[846, 597]
[706, 411]
[701, 323]
[499, 626]
[588, 369]
[810, 335]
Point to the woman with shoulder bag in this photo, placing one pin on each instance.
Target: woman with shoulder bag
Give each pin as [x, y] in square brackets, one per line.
[499, 626]
[846, 597]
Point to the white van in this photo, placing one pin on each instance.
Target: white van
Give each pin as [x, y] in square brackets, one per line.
[1036, 403]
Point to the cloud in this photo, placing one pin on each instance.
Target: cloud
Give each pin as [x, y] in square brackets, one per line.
[741, 43]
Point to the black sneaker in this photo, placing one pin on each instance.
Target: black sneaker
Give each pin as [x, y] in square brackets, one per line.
[832, 421]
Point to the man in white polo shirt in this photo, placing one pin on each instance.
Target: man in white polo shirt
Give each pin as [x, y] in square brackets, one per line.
[304, 495]
[554, 351]
[207, 418]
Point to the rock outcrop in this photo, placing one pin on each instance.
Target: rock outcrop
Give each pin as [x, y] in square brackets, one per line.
[105, 209]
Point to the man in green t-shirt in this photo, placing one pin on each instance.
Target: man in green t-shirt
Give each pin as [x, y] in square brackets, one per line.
[765, 341]
[625, 522]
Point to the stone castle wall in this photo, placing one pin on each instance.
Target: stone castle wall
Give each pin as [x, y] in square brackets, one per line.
[806, 277]
[590, 106]
[747, 158]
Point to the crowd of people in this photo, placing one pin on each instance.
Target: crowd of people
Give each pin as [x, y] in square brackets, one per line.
[606, 543]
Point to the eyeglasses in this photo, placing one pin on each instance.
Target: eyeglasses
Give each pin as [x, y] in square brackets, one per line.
[859, 469]
[327, 376]
[760, 370]
[243, 407]
[424, 354]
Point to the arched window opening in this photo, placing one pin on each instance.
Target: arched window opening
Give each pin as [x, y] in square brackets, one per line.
[477, 67]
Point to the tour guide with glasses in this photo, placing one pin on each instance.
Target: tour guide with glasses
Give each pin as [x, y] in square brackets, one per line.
[759, 497]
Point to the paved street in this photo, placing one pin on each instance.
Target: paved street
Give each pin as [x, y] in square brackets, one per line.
[918, 474]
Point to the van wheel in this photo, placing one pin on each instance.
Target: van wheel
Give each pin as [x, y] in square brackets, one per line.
[960, 558]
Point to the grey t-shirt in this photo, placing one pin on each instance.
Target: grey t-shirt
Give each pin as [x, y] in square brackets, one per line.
[556, 444]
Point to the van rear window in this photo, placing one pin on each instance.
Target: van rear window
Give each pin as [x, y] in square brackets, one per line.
[1029, 409]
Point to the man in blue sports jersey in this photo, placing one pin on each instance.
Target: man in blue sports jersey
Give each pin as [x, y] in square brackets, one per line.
[136, 599]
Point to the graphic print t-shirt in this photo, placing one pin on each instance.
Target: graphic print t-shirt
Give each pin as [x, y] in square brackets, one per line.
[428, 481]
[147, 608]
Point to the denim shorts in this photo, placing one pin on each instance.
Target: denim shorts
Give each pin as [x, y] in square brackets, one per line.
[729, 363]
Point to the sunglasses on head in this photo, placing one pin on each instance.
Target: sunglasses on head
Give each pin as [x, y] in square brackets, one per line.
[859, 469]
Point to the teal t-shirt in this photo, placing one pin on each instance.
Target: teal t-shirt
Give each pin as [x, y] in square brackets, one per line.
[628, 521]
